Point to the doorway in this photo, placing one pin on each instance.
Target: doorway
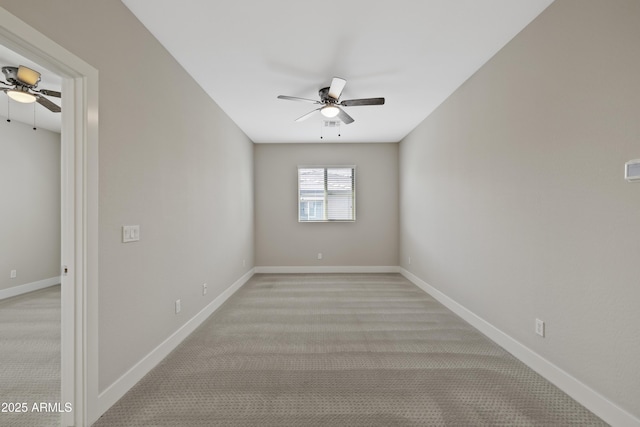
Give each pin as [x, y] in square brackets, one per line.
[79, 213]
[30, 246]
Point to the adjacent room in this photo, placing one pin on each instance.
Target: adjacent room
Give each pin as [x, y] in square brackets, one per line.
[30, 303]
[337, 213]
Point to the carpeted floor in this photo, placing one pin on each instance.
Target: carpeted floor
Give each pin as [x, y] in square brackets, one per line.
[341, 350]
[30, 357]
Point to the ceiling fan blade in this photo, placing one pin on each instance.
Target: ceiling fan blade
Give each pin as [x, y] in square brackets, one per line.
[337, 84]
[364, 101]
[306, 116]
[47, 104]
[345, 117]
[49, 92]
[295, 98]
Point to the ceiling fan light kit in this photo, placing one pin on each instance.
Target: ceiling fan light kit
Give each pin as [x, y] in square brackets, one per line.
[329, 111]
[329, 99]
[21, 96]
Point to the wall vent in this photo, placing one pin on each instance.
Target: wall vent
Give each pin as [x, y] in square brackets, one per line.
[331, 123]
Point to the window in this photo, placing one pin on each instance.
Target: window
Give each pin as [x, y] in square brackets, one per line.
[326, 194]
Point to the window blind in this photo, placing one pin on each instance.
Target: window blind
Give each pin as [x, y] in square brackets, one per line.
[326, 194]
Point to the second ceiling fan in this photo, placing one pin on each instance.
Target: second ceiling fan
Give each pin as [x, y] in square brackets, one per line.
[330, 101]
[21, 86]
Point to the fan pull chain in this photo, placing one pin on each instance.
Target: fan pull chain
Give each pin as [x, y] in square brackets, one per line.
[324, 124]
[8, 110]
[34, 116]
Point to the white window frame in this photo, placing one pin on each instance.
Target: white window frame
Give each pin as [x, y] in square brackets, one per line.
[326, 192]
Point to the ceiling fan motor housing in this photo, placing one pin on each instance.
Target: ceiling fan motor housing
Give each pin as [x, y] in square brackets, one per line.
[324, 96]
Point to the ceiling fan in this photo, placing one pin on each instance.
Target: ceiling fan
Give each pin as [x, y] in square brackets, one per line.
[23, 82]
[329, 97]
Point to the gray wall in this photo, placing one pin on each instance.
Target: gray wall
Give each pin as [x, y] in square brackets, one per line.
[372, 240]
[513, 201]
[171, 161]
[30, 204]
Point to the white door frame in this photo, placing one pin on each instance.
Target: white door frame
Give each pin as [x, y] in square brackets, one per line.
[79, 201]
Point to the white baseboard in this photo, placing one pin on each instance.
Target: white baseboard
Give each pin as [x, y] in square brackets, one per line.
[115, 391]
[328, 269]
[586, 396]
[29, 287]
[599, 405]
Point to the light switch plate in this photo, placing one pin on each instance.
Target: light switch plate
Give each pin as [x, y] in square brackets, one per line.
[632, 170]
[130, 233]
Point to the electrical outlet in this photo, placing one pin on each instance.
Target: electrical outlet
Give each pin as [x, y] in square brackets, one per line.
[13, 274]
[204, 289]
[178, 306]
[319, 255]
[540, 327]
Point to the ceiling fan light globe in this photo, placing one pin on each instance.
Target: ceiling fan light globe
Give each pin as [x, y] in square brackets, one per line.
[330, 111]
[20, 96]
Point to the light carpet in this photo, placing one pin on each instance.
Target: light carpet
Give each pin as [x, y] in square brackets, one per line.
[341, 350]
[30, 358]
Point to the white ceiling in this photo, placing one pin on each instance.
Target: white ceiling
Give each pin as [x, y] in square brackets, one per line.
[24, 113]
[415, 53]
[247, 52]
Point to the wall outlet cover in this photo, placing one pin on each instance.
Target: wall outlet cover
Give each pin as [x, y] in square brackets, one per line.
[540, 327]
